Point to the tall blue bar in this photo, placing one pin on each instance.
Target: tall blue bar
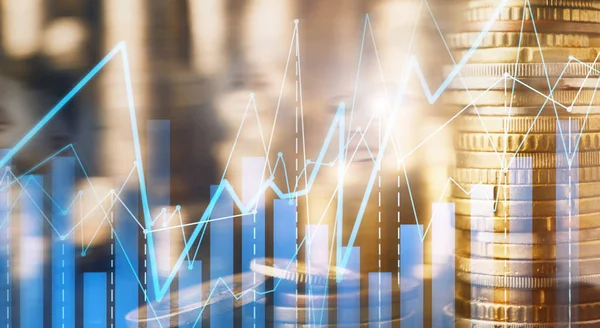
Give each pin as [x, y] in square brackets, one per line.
[158, 181]
[190, 276]
[350, 288]
[63, 249]
[126, 281]
[411, 267]
[94, 300]
[442, 254]
[284, 247]
[567, 217]
[5, 250]
[253, 236]
[32, 254]
[380, 299]
[221, 256]
[317, 260]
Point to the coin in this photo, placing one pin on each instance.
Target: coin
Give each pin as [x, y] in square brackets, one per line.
[540, 26]
[512, 251]
[566, 98]
[539, 160]
[586, 4]
[493, 176]
[547, 110]
[505, 208]
[281, 268]
[517, 268]
[539, 83]
[569, 69]
[524, 282]
[526, 55]
[549, 238]
[507, 191]
[192, 301]
[532, 142]
[513, 39]
[518, 124]
[526, 224]
[518, 13]
[526, 313]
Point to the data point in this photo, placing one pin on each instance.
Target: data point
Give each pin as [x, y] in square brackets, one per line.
[145, 231]
[178, 207]
[80, 192]
[190, 266]
[506, 74]
[135, 163]
[271, 178]
[358, 129]
[254, 212]
[164, 225]
[571, 57]
[570, 109]
[82, 253]
[252, 95]
[164, 210]
[62, 237]
[280, 154]
[7, 168]
[290, 202]
[112, 191]
[64, 212]
[308, 161]
[296, 21]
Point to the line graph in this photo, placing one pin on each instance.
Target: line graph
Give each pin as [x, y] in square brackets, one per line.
[249, 208]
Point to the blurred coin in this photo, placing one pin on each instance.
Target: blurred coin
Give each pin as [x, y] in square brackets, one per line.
[527, 55]
[529, 70]
[192, 301]
[514, 39]
[509, 208]
[586, 4]
[494, 176]
[506, 100]
[517, 268]
[524, 282]
[539, 160]
[527, 124]
[513, 251]
[288, 270]
[532, 142]
[516, 238]
[528, 223]
[521, 12]
[540, 83]
[541, 192]
[549, 110]
[540, 26]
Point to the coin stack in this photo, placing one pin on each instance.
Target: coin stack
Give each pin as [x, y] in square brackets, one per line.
[527, 238]
[316, 286]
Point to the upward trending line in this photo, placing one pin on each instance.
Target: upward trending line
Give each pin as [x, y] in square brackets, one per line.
[412, 65]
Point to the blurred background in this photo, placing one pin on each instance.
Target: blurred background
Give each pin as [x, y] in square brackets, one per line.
[201, 64]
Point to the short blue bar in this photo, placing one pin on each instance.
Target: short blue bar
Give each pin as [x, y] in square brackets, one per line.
[32, 254]
[253, 237]
[284, 247]
[317, 260]
[380, 299]
[190, 290]
[221, 256]
[411, 268]
[94, 300]
[63, 250]
[349, 305]
[523, 229]
[442, 261]
[126, 256]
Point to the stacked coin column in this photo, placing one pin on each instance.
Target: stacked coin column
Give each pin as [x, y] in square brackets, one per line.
[523, 209]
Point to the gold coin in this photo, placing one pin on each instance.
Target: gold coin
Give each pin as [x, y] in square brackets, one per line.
[585, 4]
[505, 208]
[539, 26]
[590, 249]
[517, 124]
[518, 13]
[479, 160]
[507, 191]
[519, 268]
[538, 83]
[532, 142]
[525, 177]
[525, 313]
[476, 293]
[528, 70]
[550, 223]
[544, 237]
[503, 98]
[514, 39]
[527, 55]
[530, 111]
[475, 279]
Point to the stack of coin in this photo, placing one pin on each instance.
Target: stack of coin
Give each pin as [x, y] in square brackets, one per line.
[527, 239]
[315, 301]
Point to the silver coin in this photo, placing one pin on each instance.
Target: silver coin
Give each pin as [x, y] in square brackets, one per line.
[525, 282]
[286, 270]
[192, 302]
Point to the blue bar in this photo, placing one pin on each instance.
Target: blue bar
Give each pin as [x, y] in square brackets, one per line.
[94, 300]
[317, 260]
[411, 267]
[524, 214]
[32, 254]
[158, 180]
[567, 217]
[63, 250]
[482, 206]
[221, 256]
[350, 288]
[442, 253]
[380, 299]
[190, 276]
[126, 281]
[5, 251]
[284, 247]
[253, 236]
